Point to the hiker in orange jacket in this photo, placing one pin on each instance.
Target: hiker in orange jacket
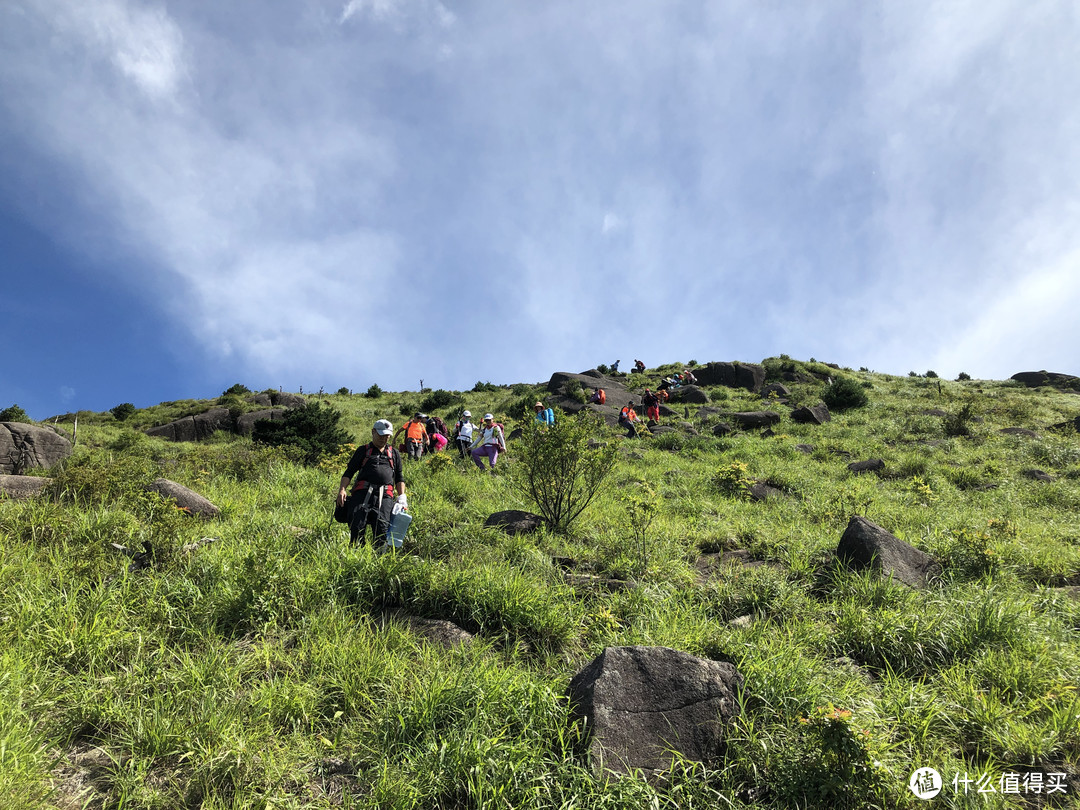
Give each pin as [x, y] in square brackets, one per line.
[627, 417]
[415, 436]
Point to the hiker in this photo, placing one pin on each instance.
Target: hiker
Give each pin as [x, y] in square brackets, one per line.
[489, 442]
[615, 367]
[688, 377]
[377, 467]
[415, 436]
[627, 417]
[598, 396]
[544, 416]
[463, 432]
[652, 406]
[436, 427]
[639, 367]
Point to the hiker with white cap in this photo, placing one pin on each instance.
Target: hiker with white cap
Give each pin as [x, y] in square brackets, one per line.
[415, 431]
[463, 432]
[379, 488]
[489, 442]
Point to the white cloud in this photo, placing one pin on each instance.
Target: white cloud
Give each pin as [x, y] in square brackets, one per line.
[612, 222]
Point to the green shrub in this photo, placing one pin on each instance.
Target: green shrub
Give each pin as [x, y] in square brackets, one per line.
[343, 391]
[239, 389]
[557, 469]
[958, 423]
[843, 394]
[14, 414]
[484, 387]
[439, 399]
[963, 376]
[931, 374]
[122, 411]
[312, 428]
[373, 392]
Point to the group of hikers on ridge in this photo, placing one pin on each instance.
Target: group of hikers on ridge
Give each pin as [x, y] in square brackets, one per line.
[378, 492]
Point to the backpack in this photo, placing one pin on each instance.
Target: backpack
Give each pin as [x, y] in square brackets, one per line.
[342, 513]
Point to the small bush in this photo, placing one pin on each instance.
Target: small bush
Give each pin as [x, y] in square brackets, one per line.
[843, 394]
[931, 374]
[373, 392]
[603, 368]
[343, 391]
[484, 387]
[557, 469]
[122, 411]
[312, 428]
[963, 376]
[14, 414]
[238, 389]
[439, 399]
[958, 424]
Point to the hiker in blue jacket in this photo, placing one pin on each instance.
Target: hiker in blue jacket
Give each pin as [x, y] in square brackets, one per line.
[544, 416]
[379, 485]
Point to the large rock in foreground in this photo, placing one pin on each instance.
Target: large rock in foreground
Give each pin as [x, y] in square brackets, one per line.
[186, 499]
[26, 447]
[864, 544]
[639, 703]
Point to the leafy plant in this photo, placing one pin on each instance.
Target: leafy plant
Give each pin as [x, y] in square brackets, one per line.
[343, 391]
[963, 376]
[373, 392]
[641, 509]
[439, 399]
[238, 389]
[958, 423]
[122, 411]
[844, 393]
[733, 480]
[14, 414]
[312, 428]
[559, 470]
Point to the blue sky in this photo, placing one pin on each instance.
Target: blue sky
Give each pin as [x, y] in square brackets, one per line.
[325, 194]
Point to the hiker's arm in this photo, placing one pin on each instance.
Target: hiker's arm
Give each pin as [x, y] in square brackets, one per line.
[343, 490]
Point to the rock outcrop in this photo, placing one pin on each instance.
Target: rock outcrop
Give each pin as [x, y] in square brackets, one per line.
[639, 703]
[865, 544]
[27, 447]
[186, 499]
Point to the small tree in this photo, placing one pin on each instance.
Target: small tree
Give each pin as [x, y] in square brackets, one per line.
[14, 414]
[558, 470]
[237, 389]
[373, 392]
[844, 393]
[312, 428]
[122, 411]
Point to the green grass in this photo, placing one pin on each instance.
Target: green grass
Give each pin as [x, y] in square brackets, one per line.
[259, 663]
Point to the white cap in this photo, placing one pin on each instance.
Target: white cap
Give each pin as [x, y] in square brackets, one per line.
[383, 427]
[489, 416]
[466, 413]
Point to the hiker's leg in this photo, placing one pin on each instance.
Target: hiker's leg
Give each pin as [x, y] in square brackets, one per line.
[380, 521]
[494, 456]
[476, 453]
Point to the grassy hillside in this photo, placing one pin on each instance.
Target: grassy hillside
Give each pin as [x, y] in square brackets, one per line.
[261, 662]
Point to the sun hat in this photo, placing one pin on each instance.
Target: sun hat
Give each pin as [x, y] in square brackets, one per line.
[539, 405]
[466, 413]
[383, 427]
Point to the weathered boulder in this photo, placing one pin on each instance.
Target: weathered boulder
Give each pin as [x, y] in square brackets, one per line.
[733, 375]
[816, 414]
[690, 394]
[186, 499]
[763, 491]
[723, 429]
[869, 465]
[283, 399]
[775, 389]
[194, 428]
[1037, 475]
[515, 521]
[1023, 433]
[805, 448]
[245, 423]
[439, 632]
[1071, 424]
[616, 393]
[27, 447]
[21, 487]
[864, 544]
[754, 419]
[639, 703]
[1035, 379]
